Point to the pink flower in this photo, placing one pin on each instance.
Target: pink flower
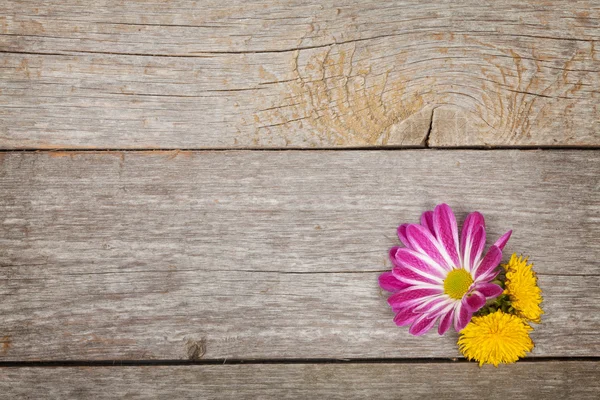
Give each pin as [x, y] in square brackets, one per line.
[437, 277]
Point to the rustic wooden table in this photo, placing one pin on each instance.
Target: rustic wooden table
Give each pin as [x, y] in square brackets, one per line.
[150, 246]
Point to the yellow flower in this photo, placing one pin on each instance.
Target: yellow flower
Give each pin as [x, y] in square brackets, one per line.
[522, 289]
[495, 338]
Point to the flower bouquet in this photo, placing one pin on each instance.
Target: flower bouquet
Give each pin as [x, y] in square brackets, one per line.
[439, 277]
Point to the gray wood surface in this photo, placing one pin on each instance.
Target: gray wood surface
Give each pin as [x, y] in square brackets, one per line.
[540, 380]
[270, 74]
[254, 255]
[214, 255]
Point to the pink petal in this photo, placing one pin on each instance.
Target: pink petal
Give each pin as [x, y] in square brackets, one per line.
[387, 281]
[488, 264]
[470, 227]
[413, 304]
[472, 222]
[489, 276]
[425, 243]
[445, 322]
[392, 254]
[489, 290]
[472, 240]
[405, 317]
[402, 235]
[500, 243]
[423, 265]
[406, 297]
[446, 231]
[474, 301]
[462, 316]
[427, 220]
[432, 306]
[476, 245]
[412, 294]
[410, 277]
[422, 324]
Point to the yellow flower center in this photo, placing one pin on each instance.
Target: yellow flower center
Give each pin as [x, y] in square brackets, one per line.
[457, 283]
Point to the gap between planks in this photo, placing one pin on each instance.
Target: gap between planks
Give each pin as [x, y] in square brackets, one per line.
[288, 149]
[261, 361]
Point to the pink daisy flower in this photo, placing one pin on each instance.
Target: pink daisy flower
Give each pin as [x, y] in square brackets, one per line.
[436, 276]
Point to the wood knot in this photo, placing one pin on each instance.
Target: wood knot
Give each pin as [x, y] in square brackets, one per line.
[195, 349]
[6, 344]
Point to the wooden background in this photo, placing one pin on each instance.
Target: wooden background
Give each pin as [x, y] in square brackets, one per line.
[197, 197]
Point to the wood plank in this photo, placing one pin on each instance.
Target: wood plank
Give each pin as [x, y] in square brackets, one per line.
[548, 380]
[177, 255]
[300, 74]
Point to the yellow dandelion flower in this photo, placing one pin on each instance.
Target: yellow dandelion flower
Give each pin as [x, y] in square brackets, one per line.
[522, 289]
[495, 338]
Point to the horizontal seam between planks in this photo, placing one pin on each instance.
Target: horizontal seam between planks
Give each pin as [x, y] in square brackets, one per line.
[250, 271]
[313, 149]
[240, 361]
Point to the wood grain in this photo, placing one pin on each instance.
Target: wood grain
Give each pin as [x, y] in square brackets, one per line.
[299, 74]
[187, 255]
[548, 380]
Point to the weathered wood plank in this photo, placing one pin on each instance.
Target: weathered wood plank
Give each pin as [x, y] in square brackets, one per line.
[173, 255]
[547, 380]
[221, 74]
